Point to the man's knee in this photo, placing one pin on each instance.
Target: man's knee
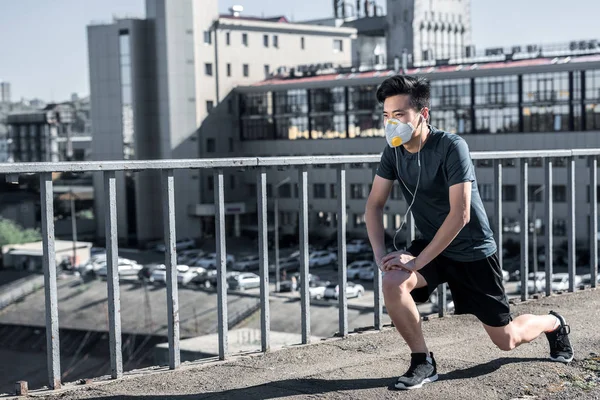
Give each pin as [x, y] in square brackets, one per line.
[397, 282]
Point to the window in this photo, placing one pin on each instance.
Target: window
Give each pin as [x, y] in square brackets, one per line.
[208, 69]
[211, 183]
[276, 41]
[207, 37]
[232, 181]
[228, 38]
[266, 40]
[486, 190]
[319, 191]
[210, 145]
[246, 70]
[228, 69]
[332, 191]
[269, 190]
[338, 45]
[285, 191]
[535, 193]
[496, 93]
[357, 191]
[296, 190]
[559, 193]
[266, 71]
[560, 227]
[251, 189]
[230, 144]
[509, 193]
[245, 39]
[302, 43]
[230, 106]
[359, 220]
[209, 106]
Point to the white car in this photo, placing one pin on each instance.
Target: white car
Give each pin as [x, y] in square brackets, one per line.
[357, 246]
[321, 258]
[248, 263]
[210, 261]
[353, 270]
[332, 291]
[98, 262]
[560, 281]
[367, 273]
[184, 274]
[126, 271]
[540, 283]
[316, 290]
[587, 279]
[180, 244]
[243, 281]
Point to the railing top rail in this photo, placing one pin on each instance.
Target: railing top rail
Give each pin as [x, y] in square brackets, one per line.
[212, 163]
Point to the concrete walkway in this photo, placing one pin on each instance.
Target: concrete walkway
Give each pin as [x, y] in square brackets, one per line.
[365, 366]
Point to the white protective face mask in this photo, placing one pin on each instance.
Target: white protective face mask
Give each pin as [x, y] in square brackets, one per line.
[398, 132]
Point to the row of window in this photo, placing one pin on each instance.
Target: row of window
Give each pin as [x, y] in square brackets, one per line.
[544, 104]
[338, 44]
[535, 193]
[208, 70]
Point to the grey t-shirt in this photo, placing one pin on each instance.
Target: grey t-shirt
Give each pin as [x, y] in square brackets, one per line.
[445, 161]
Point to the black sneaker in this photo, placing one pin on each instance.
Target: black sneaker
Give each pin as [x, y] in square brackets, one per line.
[560, 346]
[420, 372]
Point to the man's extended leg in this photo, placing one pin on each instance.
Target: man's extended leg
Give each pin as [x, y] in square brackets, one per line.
[401, 307]
[528, 327]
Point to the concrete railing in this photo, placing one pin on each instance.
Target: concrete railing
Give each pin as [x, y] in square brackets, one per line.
[108, 169]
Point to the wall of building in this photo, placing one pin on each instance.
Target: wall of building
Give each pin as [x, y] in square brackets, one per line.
[442, 26]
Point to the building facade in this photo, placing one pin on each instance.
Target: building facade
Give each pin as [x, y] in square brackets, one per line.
[5, 92]
[541, 103]
[429, 29]
[155, 84]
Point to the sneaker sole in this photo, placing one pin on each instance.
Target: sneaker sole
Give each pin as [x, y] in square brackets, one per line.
[562, 359]
[401, 386]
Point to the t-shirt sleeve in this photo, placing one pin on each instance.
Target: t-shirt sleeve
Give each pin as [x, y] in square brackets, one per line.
[458, 165]
[386, 165]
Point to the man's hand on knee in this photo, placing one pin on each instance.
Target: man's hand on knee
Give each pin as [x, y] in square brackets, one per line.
[395, 261]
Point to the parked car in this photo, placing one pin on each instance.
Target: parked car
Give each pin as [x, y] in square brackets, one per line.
[353, 269]
[126, 270]
[587, 279]
[210, 261]
[248, 263]
[180, 244]
[316, 289]
[145, 274]
[357, 246]
[243, 281]
[321, 258]
[352, 290]
[539, 282]
[189, 257]
[184, 274]
[367, 273]
[560, 281]
[289, 264]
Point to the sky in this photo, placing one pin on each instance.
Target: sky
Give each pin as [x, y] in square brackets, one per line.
[43, 44]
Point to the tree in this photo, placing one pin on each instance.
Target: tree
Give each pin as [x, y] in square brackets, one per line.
[13, 233]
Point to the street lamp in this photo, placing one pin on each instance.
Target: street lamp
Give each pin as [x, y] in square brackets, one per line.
[276, 223]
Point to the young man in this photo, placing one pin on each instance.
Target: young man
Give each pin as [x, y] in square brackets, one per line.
[437, 177]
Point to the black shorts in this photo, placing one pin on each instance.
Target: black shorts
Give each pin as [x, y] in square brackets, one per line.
[477, 287]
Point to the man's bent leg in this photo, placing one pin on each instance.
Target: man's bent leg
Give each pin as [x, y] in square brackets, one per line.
[522, 329]
[401, 307]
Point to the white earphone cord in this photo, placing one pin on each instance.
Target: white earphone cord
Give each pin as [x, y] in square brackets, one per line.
[414, 195]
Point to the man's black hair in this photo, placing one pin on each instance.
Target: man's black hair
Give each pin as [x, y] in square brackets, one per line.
[417, 88]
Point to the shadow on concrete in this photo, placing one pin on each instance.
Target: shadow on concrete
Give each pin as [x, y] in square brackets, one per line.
[487, 368]
[313, 386]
